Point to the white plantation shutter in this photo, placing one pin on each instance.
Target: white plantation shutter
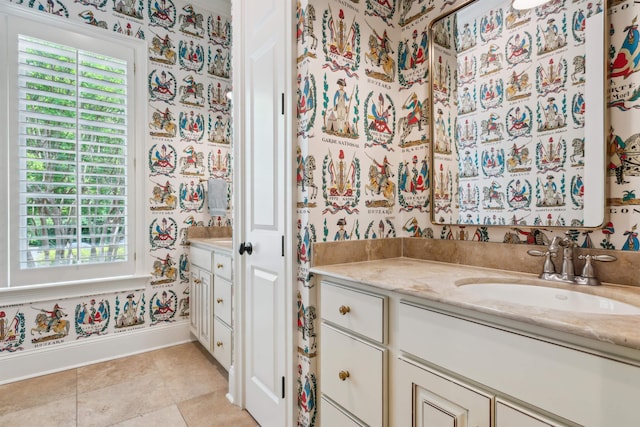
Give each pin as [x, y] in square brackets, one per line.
[72, 142]
[73, 163]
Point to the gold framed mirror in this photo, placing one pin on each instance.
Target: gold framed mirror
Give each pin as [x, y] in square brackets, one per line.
[512, 139]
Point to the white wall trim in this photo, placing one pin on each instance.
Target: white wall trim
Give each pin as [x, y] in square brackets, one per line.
[32, 363]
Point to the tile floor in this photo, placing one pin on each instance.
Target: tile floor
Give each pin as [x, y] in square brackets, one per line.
[176, 386]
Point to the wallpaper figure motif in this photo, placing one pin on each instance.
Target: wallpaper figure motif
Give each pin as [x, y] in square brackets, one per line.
[162, 86]
[379, 121]
[306, 181]
[131, 8]
[162, 160]
[192, 163]
[306, 106]
[162, 307]
[379, 57]
[12, 330]
[341, 110]
[92, 320]
[162, 123]
[163, 233]
[90, 19]
[162, 13]
[191, 22]
[305, 31]
[341, 182]
[341, 42]
[163, 197]
[50, 325]
[412, 10]
[164, 270]
[191, 56]
[380, 185]
[413, 121]
[412, 59]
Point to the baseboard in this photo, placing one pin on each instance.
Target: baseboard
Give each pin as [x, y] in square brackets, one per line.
[32, 363]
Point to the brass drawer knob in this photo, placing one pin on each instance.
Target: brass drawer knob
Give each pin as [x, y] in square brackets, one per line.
[219, 300]
[343, 375]
[344, 309]
[219, 344]
[220, 265]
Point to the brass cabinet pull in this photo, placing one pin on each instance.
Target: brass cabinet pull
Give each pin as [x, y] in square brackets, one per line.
[220, 265]
[197, 281]
[344, 309]
[219, 343]
[219, 300]
[343, 375]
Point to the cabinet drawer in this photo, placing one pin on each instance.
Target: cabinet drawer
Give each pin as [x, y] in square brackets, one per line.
[360, 312]
[222, 343]
[222, 299]
[200, 257]
[352, 374]
[222, 265]
[333, 417]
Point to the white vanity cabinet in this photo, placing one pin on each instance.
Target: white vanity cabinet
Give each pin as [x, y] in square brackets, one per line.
[210, 296]
[200, 296]
[353, 366]
[390, 359]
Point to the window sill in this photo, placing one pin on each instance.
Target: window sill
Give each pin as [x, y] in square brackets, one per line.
[56, 291]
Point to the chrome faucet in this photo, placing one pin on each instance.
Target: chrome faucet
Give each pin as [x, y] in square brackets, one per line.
[567, 270]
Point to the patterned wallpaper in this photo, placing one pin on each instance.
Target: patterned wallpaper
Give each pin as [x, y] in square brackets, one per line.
[363, 150]
[188, 141]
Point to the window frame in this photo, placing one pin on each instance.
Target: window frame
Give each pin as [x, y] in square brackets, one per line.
[100, 277]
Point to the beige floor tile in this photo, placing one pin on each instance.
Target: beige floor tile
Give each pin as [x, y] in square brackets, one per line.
[169, 416]
[37, 391]
[190, 371]
[53, 413]
[113, 372]
[177, 386]
[190, 354]
[214, 410]
[109, 405]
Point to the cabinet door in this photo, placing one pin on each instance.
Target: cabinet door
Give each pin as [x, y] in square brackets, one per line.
[194, 302]
[510, 414]
[206, 314]
[426, 397]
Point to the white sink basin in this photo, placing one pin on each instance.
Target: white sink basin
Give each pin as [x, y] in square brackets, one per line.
[551, 298]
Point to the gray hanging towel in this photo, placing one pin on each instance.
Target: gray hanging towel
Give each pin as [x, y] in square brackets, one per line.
[217, 193]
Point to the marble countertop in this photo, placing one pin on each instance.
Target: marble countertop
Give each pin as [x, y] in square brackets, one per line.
[441, 282]
[213, 243]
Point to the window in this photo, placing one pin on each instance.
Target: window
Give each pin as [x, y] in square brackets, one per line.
[72, 149]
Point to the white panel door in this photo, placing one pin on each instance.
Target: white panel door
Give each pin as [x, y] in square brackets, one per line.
[263, 29]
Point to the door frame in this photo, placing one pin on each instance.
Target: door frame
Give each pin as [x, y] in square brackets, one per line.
[237, 375]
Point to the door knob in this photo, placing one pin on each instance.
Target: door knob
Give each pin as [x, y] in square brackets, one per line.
[246, 247]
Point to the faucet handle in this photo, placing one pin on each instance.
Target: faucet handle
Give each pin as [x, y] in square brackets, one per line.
[603, 258]
[588, 272]
[548, 267]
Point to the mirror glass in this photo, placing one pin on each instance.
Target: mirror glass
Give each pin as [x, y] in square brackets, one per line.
[517, 135]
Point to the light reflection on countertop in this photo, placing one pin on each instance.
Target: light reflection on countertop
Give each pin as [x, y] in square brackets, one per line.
[440, 282]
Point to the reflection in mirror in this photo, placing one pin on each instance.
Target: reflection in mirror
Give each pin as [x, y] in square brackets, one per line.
[512, 137]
